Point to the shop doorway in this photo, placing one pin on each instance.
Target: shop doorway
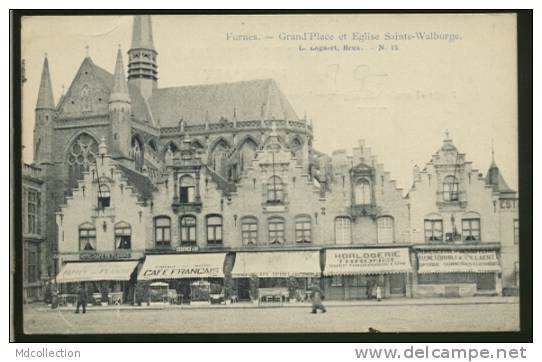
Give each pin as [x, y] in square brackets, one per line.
[243, 288]
[397, 284]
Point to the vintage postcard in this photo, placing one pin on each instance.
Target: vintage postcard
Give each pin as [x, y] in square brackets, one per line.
[270, 173]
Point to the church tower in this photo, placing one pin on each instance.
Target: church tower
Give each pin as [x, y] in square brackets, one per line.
[142, 66]
[120, 110]
[44, 112]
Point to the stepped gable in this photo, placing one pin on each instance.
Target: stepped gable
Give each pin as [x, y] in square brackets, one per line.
[141, 183]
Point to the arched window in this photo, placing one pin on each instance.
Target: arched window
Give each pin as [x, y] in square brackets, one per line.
[104, 196]
[450, 189]
[162, 231]
[362, 192]
[470, 224]
[81, 153]
[188, 230]
[137, 154]
[276, 230]
[153, 146]
[385, 232]
[214, 230]
[187, 189]
[433, 228]
[247, 153]
[297, 149]
[219, 156]
[303, 229]
[123, 236]
[343, 230]
[249, 230]
[87, 237]
[275, 190]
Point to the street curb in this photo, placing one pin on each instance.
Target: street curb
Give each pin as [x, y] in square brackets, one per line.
[510, 300]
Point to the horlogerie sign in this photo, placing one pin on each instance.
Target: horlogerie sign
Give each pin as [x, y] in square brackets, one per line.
[458, 262]
[367, 261]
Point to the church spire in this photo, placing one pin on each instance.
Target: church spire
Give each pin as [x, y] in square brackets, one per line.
[142, 33]
[142, 65]
[119, 93]
[45, 93]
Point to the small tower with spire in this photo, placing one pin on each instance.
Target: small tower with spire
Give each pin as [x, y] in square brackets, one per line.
[142, 65]
[120, 110]
[44, 113]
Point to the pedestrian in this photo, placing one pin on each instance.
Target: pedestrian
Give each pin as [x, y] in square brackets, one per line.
[81, 298]
[378, 293]
[47, 293]
[54, 295]
[317, 296]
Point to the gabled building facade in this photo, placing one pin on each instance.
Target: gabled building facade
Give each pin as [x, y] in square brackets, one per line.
[164, 176]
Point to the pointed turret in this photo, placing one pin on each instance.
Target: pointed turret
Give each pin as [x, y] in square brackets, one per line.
[119, 92]
[495, 179]
[120, 112]
[45, 111]
[45, 93]
[142, 65]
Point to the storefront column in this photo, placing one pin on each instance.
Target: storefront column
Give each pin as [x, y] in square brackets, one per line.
[413, 277]
[498, 283]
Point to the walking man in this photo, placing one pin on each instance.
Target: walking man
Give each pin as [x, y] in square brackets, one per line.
[316, 296]
[81, 298]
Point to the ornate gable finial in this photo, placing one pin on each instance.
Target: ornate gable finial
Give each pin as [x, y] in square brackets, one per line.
[87, 51]
[102, 148]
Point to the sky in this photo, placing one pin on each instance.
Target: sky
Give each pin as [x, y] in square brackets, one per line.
[399, 93]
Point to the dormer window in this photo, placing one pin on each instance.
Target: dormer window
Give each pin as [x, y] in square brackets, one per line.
[275, 190]
[450, 189]
[362, 192]
[104, 196]
[187, 190]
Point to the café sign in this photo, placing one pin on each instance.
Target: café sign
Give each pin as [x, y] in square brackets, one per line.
[367, 261]
[458, 262]
[181, 266]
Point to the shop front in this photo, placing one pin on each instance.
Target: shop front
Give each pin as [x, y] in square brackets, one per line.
[106, 282]
[363, 273]
[457, 273]
[275, 275]
[183, 278]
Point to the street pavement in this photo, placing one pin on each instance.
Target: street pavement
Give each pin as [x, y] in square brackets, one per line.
[464, 316]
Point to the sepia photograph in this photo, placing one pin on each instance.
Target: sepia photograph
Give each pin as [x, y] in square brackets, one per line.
[269, 173]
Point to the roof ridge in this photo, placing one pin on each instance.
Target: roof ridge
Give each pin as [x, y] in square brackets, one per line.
[217, 84]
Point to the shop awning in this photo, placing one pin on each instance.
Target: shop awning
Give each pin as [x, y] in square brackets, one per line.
[96, 271]
[183, 266]
[277, 264]
[367, 261]
[458, 262]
